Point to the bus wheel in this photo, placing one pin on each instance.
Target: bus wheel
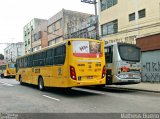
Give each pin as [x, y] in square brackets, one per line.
[2, 75]
[20, 80]
[41, 84]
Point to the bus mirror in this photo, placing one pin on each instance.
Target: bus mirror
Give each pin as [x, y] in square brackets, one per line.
[69, 43]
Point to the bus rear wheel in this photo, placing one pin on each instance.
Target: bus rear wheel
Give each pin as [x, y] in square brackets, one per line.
[2, 75]
[41, 84]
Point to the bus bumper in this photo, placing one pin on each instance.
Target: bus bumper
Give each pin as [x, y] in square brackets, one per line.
[126, 80]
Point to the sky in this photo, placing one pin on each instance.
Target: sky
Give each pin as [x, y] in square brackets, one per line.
[15, 14]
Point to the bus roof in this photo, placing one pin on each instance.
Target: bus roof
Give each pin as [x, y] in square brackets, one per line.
[120, 43]
[60, 43]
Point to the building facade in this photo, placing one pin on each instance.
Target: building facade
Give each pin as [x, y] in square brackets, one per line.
[27, 33]
[13, 50]
[2, 62]
[39, 37]
[127, 20]
[150, 57]
[60, 25]
[63, 25]
[84, 29]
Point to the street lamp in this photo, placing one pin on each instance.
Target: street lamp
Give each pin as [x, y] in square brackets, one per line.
[95, 5]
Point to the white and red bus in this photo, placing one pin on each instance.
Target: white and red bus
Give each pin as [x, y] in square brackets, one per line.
[123, 63]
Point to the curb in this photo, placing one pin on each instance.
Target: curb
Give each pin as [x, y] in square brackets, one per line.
[122, 88]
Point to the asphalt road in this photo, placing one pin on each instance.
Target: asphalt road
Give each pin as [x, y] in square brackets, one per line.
[15, 98]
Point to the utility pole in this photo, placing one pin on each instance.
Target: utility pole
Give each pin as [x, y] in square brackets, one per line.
[95, 5]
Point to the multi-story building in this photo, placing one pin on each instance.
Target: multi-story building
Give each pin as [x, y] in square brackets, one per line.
[39, 37]
[59, 26]
[27, 35]
[2, 62]
[85, 29]
[13, 50]
[127, 20]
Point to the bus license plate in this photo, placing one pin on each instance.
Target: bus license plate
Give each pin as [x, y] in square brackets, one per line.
[90, 77]
[130, 75]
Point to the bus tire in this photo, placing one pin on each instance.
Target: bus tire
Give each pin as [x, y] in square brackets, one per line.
[20, 80]
[41, 84]
[2, 75]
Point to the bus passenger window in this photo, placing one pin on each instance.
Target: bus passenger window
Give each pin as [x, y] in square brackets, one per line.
[109, 54]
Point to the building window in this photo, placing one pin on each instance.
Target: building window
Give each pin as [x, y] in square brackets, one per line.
[28, 41]
[132, 17]
[36, 48]
[58, 24]
[141, 13]
[105, 4]
[59, 39]
[51, 28]
[51, 42]
[109, 28]
[55, 26]
[37, 36]
[25, 33]
[31, 28]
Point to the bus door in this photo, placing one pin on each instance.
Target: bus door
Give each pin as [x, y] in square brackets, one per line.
[109, 64]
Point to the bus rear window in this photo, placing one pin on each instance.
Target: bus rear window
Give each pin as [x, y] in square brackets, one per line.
[11, 66]
[86, 49]
[129, 53]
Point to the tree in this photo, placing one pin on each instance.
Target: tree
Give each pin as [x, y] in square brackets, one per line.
[1, 57]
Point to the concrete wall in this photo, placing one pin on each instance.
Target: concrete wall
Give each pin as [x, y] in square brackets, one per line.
[151, 66]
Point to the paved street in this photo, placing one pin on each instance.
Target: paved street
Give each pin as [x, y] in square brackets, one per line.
[15, 98]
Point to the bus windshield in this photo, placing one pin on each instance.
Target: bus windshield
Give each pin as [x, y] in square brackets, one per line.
[129, 53]
[11, 66]
[86, 49]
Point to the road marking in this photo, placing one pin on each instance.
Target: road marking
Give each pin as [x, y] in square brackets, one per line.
[51, 98]
[7, 84]
[88, 90]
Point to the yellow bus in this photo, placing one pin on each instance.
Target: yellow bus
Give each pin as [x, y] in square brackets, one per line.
[71, 63]
[8, 70]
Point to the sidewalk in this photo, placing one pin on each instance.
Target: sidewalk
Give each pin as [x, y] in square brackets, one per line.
[148, 87]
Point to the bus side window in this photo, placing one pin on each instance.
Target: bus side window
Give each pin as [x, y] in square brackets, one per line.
[109, 54]
[60, 53]
[49, 57]
[41, 59]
